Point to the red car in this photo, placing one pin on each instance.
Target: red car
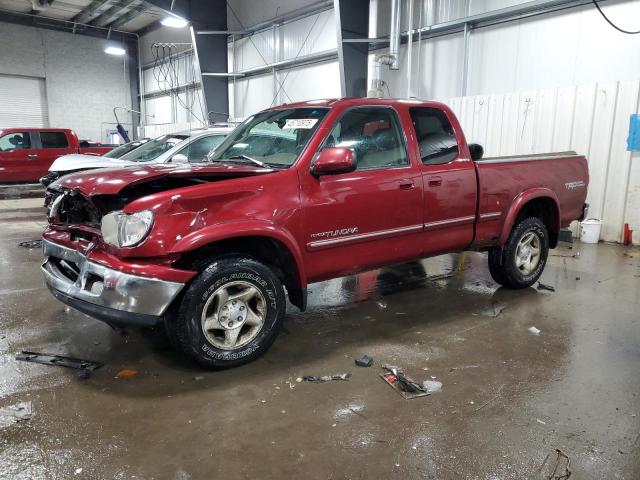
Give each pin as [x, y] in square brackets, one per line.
[27, 153]
[295, 195]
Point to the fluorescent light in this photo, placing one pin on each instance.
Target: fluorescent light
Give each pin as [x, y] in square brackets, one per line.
[115, 51]
[174, 21]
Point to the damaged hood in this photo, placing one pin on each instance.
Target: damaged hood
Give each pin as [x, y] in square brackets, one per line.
[113, 180]
[77, 161]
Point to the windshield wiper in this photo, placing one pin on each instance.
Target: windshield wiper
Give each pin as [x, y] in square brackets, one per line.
[251, 159]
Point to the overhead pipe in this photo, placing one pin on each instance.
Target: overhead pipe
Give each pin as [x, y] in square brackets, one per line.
[392, 59]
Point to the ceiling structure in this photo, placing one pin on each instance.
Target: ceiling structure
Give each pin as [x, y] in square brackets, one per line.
[133, 16]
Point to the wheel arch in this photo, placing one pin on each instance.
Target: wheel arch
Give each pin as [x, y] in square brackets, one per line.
[539, 202]
[261, 241]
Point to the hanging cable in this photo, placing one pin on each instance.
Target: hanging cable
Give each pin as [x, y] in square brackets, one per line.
[628, 32]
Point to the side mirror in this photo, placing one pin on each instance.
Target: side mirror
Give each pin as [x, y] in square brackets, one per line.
[179, 158]
[476, 151]
[332, 161]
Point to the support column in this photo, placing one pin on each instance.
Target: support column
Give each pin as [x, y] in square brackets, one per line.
[352, 22]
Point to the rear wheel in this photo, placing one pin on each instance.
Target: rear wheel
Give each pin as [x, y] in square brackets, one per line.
[230, 314]
[520, 262]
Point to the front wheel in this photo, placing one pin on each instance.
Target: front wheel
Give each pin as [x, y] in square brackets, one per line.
[520, 262]
[230, 314]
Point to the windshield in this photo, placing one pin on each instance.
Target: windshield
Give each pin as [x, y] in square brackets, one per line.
[275, 138]
[126, 148]
[153, 148]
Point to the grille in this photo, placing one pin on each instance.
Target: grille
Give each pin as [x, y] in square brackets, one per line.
[72, 208]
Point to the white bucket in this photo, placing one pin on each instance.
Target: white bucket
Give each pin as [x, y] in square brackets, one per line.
[590, 231]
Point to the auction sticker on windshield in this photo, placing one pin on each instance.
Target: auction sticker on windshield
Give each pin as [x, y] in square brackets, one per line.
[300, 123]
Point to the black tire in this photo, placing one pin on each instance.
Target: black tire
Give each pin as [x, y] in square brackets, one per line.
[186, 325]
[502, 260]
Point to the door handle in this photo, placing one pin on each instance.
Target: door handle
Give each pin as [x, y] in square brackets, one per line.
[407, 186]
[32, 156]
[435, 181]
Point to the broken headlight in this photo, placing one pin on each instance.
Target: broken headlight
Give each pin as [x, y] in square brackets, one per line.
[124, 230]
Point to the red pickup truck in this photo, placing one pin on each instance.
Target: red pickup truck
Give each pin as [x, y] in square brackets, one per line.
[27, 153]
[297, 194]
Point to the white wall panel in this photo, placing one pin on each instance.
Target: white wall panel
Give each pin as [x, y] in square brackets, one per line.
[321, 29]
[317, 81]
[251, 95]
[619, 164]
[593, 120]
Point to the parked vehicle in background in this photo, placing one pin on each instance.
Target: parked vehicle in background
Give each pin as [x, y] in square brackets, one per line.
[27, 153]
[189, 146]
[337, 187]
[77, 162]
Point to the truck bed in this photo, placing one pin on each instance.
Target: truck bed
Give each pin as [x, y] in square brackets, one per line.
[563, 176]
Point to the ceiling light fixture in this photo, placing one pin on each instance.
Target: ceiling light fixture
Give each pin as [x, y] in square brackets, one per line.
[115, 51]
[174, 21]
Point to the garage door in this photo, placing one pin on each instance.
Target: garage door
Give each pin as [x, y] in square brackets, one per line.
[23, 102]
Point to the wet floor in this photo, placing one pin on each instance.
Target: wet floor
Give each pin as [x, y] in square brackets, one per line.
[509, 396]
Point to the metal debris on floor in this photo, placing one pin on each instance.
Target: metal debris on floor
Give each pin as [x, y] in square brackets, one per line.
[407, 387]
[31, 243]
[558, 469]
[86, 367]
[327, 378]
[364, 361]
[549, 288]
[18, 412]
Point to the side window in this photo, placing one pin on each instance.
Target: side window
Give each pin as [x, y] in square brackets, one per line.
[373, 134]
[15, 141]
[436, 139]
[53, 140]
[198, 150]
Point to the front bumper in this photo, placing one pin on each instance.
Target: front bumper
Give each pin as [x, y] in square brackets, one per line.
[109, 295]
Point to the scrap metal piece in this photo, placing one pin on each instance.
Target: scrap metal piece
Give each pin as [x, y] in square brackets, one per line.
[58, 360]
[407, 387]
[327, 378]
[558, 472]
[31, 243]
[542, 286]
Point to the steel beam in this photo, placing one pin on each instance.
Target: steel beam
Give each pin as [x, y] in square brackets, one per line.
[352, 22]
[90, 11]
[127, 17]
[108, 14]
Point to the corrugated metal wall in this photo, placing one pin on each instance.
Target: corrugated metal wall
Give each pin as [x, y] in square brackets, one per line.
[592, 119]
[313, 34]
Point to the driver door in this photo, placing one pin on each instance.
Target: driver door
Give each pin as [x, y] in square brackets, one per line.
[18, 158]
[369, 217]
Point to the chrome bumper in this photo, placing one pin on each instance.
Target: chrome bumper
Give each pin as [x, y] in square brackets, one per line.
[102, 292]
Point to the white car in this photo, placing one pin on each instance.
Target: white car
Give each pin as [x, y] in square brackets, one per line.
[189, 146]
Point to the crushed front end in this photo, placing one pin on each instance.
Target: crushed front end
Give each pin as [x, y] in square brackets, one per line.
[83, 272]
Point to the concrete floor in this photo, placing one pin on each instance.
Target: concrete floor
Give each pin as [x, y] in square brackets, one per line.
[509, 396]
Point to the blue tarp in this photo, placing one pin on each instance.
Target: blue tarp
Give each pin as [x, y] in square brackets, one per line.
[633, 140]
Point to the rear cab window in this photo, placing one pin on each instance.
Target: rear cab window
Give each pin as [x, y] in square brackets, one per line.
[54, 140]
[13, 141]
[434, 133]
